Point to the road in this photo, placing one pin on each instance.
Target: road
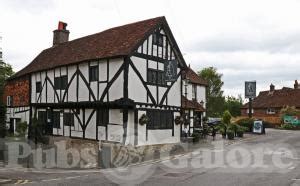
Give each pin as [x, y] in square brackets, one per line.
[271, 159]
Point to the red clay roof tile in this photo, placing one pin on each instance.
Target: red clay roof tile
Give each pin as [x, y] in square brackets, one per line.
[114, 42]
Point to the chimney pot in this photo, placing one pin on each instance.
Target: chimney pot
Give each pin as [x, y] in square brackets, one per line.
[296, 85]
[61, 35]
[272, 87]
[62, 25]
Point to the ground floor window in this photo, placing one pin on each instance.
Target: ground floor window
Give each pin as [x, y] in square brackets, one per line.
[68, 119]
[102, 117]
[56, 120]
[160, 119]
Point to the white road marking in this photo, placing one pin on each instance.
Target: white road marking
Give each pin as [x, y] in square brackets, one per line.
[4, 180]
[18, 182]
[296, 179]
[54, 179]
[73, 177]
[25, 182]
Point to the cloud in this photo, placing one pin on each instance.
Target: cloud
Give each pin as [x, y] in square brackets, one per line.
[228, 42]
[244, 40]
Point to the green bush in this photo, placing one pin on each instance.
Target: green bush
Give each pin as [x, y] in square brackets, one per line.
[230, 134]
[2, 121]
[21, 128]
[246, 122]
[240, 131]
[226, 117]
[288, 126]
[196, 137]
[222, 131]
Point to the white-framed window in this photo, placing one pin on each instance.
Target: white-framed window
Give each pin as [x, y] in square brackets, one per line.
[9, 100]
[251, 112]
[271, 111]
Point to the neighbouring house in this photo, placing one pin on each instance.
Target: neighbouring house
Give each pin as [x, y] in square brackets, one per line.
[100, 86]
[193, 99]
[269, 103]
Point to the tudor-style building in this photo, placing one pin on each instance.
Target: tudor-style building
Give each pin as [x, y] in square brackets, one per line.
[99, 86]
[193, 99]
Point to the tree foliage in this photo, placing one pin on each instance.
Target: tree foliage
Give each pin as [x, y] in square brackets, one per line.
[215, 99]
[289, 111]
[233, 105]
[5, 72]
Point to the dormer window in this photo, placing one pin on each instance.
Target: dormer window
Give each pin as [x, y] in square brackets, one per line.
[158, 39]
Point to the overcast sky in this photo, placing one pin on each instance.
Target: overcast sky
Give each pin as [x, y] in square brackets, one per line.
[245, 40]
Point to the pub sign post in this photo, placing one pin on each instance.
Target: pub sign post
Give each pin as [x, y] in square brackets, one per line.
[250, 93]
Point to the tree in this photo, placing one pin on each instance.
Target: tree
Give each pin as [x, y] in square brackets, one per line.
[233, 105]
[215, 100]
[5, 72]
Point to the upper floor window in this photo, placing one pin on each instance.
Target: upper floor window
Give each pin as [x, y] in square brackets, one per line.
[156, 77]
[38, 86]
[194, 92]
[93, 73]
[158, 39]
[9, 100]
[61, 83]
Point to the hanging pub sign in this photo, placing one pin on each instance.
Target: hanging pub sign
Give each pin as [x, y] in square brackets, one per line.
[170, 68]
[250, 89]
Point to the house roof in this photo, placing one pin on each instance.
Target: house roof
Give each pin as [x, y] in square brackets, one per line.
[191, 104]
[276, 99]
[115, 42]
[194, 78]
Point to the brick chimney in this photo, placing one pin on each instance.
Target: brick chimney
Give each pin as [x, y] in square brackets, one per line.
[61, 35]
[272, 88]
[296, 85]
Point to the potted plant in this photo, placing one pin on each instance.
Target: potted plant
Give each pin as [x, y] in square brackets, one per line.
[179, 120]
[222, 132]
[196, 137]
[144, 119]
[230, 134]
[240, 131]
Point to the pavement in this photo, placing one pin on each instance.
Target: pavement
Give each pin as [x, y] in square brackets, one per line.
[272, 159]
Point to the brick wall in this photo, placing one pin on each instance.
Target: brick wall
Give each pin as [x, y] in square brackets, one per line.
[19, 89]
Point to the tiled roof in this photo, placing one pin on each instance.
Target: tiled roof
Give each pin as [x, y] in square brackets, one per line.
[114, 42]
[191, 104]
[277, 99]
[194, 78]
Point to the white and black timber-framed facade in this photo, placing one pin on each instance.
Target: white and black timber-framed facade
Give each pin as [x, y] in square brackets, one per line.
[97, 87]
[193, 100]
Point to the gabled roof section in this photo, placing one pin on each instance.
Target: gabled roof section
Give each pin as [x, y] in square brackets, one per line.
[194, 78]
[191, 104]
[115, 42]
[277, 98]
